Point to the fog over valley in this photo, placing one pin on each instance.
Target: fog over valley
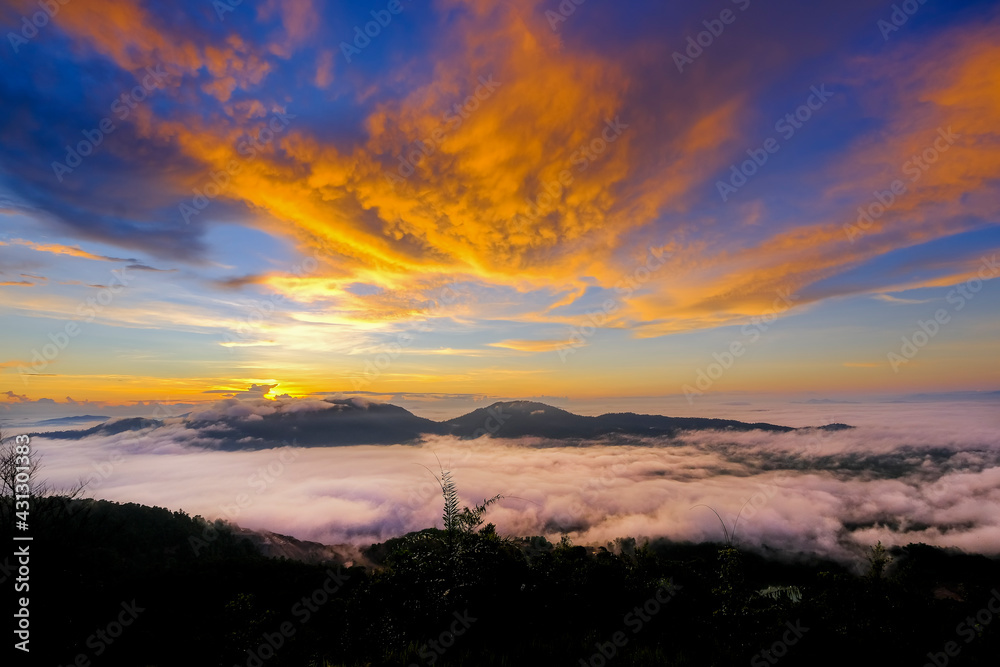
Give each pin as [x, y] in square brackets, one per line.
[926, 471]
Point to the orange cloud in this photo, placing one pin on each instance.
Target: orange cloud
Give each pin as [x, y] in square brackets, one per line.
[59, 249]
[464, 212]
[548, 127]
[324, 69]
[926, 89]
[530, 345]
[135, 39]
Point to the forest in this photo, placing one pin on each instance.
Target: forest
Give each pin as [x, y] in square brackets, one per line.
[126, 584]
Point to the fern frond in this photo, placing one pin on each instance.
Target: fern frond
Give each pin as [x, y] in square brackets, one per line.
[774, 592]
[450, 493]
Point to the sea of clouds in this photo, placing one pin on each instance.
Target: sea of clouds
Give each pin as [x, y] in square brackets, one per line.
[910, 472]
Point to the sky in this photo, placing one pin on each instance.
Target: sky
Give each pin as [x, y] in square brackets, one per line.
[458, 200]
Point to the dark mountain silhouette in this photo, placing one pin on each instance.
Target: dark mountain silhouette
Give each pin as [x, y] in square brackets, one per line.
[346, 423]
[276, 545]
[834, 427]
[73, 420]
[515, 419]
[107, 428]
[352, 422]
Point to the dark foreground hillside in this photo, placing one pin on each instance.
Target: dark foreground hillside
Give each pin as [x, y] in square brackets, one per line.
[114, 584]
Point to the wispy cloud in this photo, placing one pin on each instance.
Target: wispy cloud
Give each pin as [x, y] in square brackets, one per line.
[888, 298]
[59, 249]
[530, 345]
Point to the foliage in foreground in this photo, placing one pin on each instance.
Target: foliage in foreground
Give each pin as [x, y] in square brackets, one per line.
[466, 596]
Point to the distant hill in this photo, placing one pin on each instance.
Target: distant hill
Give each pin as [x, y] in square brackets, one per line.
[276, 545]
[515, 419]
[107, 428]
[346, 423]
[72, 420]
[350, 422]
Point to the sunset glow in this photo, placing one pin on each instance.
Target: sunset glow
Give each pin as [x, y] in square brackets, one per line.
[497, 198]
[500, 332]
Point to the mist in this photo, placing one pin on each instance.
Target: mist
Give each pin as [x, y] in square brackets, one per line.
[907, 473]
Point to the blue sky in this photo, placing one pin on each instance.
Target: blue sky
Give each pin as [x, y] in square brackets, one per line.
[295, 261]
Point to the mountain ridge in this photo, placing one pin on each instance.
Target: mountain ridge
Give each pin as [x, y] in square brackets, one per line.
[350, 422]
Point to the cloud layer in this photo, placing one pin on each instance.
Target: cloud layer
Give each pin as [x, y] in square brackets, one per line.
[829, 493]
